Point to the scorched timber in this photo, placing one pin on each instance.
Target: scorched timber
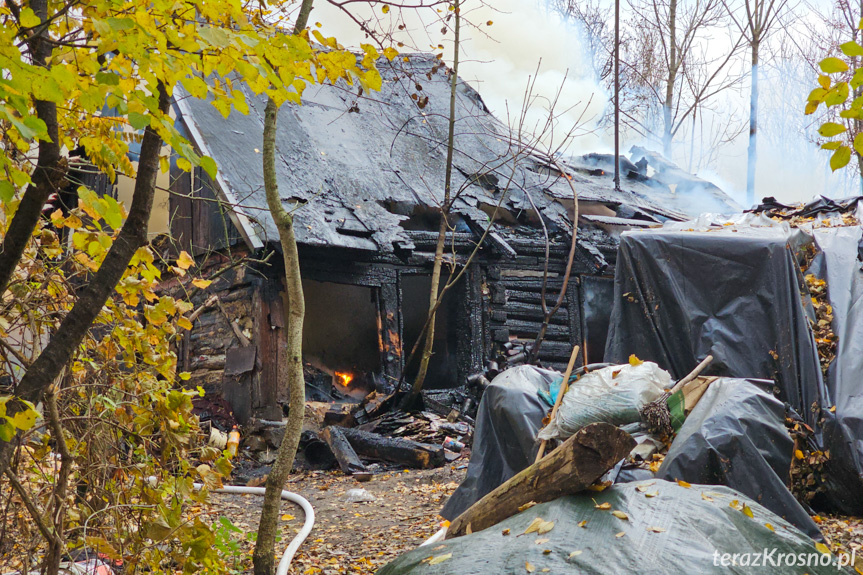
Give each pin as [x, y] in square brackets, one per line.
[572, 467]
[348, 460]
[395, 450]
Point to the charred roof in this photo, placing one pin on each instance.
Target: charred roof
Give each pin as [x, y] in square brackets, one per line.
[364, 169]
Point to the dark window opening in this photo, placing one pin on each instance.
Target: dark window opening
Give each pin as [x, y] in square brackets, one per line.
[598, 295]
[443, 367]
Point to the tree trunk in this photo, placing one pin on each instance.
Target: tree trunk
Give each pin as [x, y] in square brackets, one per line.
[572, 467]
[48, 175]
[77, 322]
[265, 550]
[417, 386]
[668, 119]
[753, 127]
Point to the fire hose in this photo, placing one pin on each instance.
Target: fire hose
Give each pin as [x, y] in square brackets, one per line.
[289, 553]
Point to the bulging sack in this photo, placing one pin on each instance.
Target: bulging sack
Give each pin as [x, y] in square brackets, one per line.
[613, 394]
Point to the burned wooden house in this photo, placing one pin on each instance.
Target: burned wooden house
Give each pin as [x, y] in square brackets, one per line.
[365, 176]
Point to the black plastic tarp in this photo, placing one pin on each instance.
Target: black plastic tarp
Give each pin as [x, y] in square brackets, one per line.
[736, 436]
[838, 261]
[737, 293]
[504, 442]
[674, 530]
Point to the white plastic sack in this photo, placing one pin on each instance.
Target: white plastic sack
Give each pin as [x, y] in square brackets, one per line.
[614, 394]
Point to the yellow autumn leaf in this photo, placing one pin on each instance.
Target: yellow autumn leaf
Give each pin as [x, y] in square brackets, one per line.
[534, 525]
[604, 506]
[633, 361]
[621, 534]
[185, 261]
[747, 511]
[202, 284]
[798, 454]
[583, 524]
[705, 497]
[439, 559]
[620, 515]
[287, 517]
[653, 493]
[682, 483]
[822, 548]
[529, 567]
[575, 554]
[656, 530]
[545, 527]
[184, 323]
[770, 527]
[542, 540]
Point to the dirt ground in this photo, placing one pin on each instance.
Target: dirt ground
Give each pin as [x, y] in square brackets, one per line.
[348, 538]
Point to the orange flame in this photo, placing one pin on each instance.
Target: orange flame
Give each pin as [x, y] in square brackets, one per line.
[345, 378]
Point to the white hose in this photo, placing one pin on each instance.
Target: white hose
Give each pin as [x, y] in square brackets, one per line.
[435, 538]
[288, 556]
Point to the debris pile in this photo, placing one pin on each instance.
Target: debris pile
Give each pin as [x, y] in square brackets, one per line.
[822, 326]
[808, 464]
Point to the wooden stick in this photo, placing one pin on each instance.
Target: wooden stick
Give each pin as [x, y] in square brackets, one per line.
[693, 374]
[564, 386]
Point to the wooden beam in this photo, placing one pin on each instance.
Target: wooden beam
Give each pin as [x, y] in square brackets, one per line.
[572, 467]
[395, 449]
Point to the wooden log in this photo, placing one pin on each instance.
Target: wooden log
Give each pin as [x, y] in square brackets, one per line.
[345, 454]
[395, 449]
[572, 467]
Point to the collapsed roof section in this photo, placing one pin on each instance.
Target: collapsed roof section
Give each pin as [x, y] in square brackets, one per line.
[372, 167]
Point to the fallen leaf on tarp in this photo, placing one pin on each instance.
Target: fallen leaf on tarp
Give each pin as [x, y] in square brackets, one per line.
[705, 497]
[736, 505]
[621, 534]
[545, 527]
[530, 568]
[683, 483]
[651, 493]
[656, 529]
[534, 525]
[505, 532]
[604, 506]
[583, 524]
[546, 551]
[620, 515]
[527, 505]
[599, 486]
[439, 559]
[542, 540]
[747, 511]
[575, 554]
[770, 527]
[643, 488]
[634, 361]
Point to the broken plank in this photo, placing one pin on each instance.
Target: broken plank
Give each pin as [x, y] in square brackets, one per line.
[572, 467]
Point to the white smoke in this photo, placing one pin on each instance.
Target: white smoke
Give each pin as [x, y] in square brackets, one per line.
[499, 59]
